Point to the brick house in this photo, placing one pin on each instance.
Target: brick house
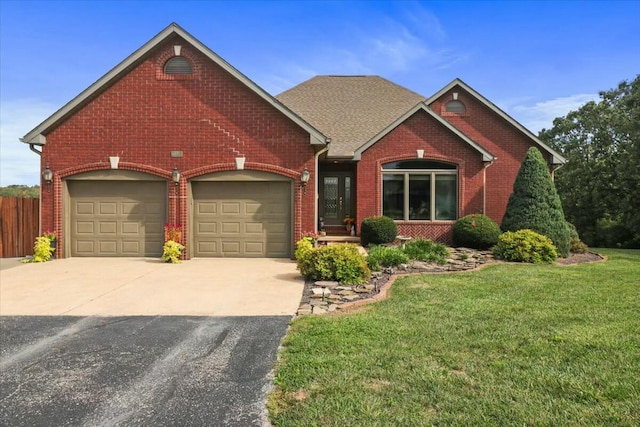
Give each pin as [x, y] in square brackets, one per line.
[176, 134]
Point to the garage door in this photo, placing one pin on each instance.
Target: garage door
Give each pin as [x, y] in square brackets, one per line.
[242, 219]
[117, 218]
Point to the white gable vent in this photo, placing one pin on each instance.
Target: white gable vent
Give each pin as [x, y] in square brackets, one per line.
[178, 65]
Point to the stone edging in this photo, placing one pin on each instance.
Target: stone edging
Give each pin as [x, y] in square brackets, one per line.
[324, 299]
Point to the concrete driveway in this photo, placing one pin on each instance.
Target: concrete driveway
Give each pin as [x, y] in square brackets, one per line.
[141, 286]
[136, 342]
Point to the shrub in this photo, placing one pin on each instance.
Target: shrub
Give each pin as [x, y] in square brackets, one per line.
[525, 246]
[342, 263]
[535, 204]
[426, 250]
[385, 256]
[476, 231]
[171, 252]
[378, 230]
[304, 248]
[578, 246]
[42, 250]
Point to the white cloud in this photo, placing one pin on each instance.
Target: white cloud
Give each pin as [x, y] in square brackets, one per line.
[541, 114]
[18, 164]
[385, 47]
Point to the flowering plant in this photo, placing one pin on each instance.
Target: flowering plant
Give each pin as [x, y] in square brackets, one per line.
[173, 232]
[311, 235]
[50, 234]
[349, 221]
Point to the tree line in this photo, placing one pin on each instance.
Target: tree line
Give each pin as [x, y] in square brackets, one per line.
[21, 191]
[600, 184]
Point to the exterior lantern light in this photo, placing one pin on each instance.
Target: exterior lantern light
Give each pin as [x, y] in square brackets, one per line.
[304, 179]
[47, 176]
[175, 177]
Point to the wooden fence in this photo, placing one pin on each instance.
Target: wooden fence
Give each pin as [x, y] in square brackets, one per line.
[19, 224]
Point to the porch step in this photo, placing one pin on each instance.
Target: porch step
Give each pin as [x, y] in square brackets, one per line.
[327, 240]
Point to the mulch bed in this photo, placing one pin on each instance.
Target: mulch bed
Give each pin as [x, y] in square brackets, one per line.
[580, 259]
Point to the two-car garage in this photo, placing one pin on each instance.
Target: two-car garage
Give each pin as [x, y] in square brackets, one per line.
[231, 214]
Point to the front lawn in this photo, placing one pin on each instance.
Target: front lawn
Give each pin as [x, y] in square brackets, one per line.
[507, 345]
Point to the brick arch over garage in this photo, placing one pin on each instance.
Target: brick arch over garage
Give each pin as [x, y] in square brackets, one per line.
[64, 174]
[266, 188]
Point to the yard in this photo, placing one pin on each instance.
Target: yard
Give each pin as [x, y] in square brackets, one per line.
[507, 345]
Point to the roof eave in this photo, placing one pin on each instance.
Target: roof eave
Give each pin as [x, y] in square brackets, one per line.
[556, 158]
[316, 137]
[486, 156]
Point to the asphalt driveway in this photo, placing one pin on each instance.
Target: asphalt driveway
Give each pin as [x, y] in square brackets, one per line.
[137, 371]
[136, 342]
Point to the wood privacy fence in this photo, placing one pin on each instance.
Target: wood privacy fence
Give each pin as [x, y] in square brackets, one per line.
[19, 224]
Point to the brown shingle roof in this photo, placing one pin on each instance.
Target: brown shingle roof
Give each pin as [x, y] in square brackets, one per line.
[350, 110]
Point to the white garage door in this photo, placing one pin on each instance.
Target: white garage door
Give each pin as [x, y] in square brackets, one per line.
[117, 218]
[242, 219]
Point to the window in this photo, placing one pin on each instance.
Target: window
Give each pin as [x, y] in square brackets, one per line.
[455, 106]
[420, 190]
[178, 65]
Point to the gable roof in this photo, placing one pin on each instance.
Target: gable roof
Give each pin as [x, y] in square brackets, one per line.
[36, 136]
[486, 156]
[556, 158]
[351, 110]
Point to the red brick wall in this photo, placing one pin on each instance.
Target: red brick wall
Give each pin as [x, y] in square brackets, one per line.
[498, 137]
[210, 116]
[421, 131]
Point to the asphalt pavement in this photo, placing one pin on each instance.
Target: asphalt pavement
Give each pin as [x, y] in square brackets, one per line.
[137, 370]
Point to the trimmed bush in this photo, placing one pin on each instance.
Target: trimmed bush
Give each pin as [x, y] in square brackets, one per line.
[535, 204]
[525, 246]
[476, 231]
[342, 263]
[385, 256]
[426, 250]
[377, 230]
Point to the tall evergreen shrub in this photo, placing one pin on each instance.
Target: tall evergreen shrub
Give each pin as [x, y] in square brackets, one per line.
[535, 204]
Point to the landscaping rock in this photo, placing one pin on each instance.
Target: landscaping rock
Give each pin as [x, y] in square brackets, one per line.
[322, 297]
[326, 284]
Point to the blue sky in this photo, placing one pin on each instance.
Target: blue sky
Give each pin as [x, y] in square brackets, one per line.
[535, 60]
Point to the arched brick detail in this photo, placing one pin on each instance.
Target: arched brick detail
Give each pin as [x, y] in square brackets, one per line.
[90, 167]
[168, 53]
[249, 166]
[261, 167]
[174, 205]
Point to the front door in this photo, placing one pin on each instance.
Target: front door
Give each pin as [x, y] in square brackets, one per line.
[337, 199]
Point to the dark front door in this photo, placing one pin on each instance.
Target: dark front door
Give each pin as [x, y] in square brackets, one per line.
[337, 197]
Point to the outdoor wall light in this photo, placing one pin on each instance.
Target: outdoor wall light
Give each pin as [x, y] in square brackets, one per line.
[304, 179]
[175, 177]
[47, 176]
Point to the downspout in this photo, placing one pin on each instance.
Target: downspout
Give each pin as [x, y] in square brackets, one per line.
[39, 153]
[484, 185]
[317, 187]
[32, 148]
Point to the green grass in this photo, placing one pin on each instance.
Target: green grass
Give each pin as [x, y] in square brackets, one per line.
[507, 345]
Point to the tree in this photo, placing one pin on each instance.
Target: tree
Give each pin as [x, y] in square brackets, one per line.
[600, 185]
[535, 204]
[20, 191]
